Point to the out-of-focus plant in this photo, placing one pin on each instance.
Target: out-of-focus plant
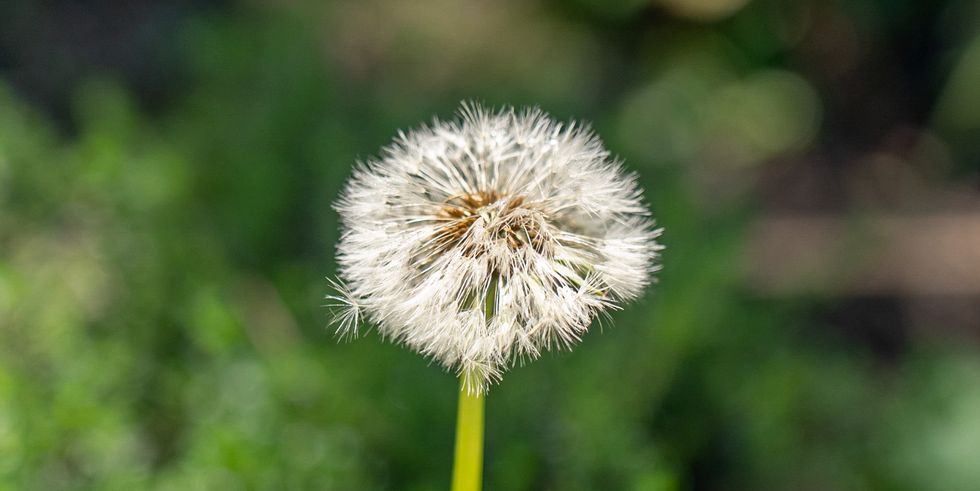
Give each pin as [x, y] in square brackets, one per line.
[161, 279]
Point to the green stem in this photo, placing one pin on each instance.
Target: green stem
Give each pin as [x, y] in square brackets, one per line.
[468, 463]
[468, 466]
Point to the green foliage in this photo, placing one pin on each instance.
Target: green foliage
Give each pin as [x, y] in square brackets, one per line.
[161, 280]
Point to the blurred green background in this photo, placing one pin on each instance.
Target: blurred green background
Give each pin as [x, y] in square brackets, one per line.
[167, 169]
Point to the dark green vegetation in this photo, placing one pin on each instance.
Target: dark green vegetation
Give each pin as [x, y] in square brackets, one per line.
[166, 235]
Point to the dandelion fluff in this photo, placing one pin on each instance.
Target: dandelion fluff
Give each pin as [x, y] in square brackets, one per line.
[487, 239]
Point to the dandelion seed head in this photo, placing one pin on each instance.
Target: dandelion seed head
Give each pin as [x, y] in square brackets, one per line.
[485, 240]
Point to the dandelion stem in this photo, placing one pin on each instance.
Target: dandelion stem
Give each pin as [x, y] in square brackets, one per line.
[468, 466]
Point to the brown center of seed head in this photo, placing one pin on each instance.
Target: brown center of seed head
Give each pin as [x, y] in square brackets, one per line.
[505, 219]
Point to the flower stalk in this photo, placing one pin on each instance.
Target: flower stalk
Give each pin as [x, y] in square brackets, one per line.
[468, 462]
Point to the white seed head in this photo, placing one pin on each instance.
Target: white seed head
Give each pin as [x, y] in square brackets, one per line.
[482, 241]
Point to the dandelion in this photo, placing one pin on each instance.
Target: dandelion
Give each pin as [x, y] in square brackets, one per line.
[483, 241]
